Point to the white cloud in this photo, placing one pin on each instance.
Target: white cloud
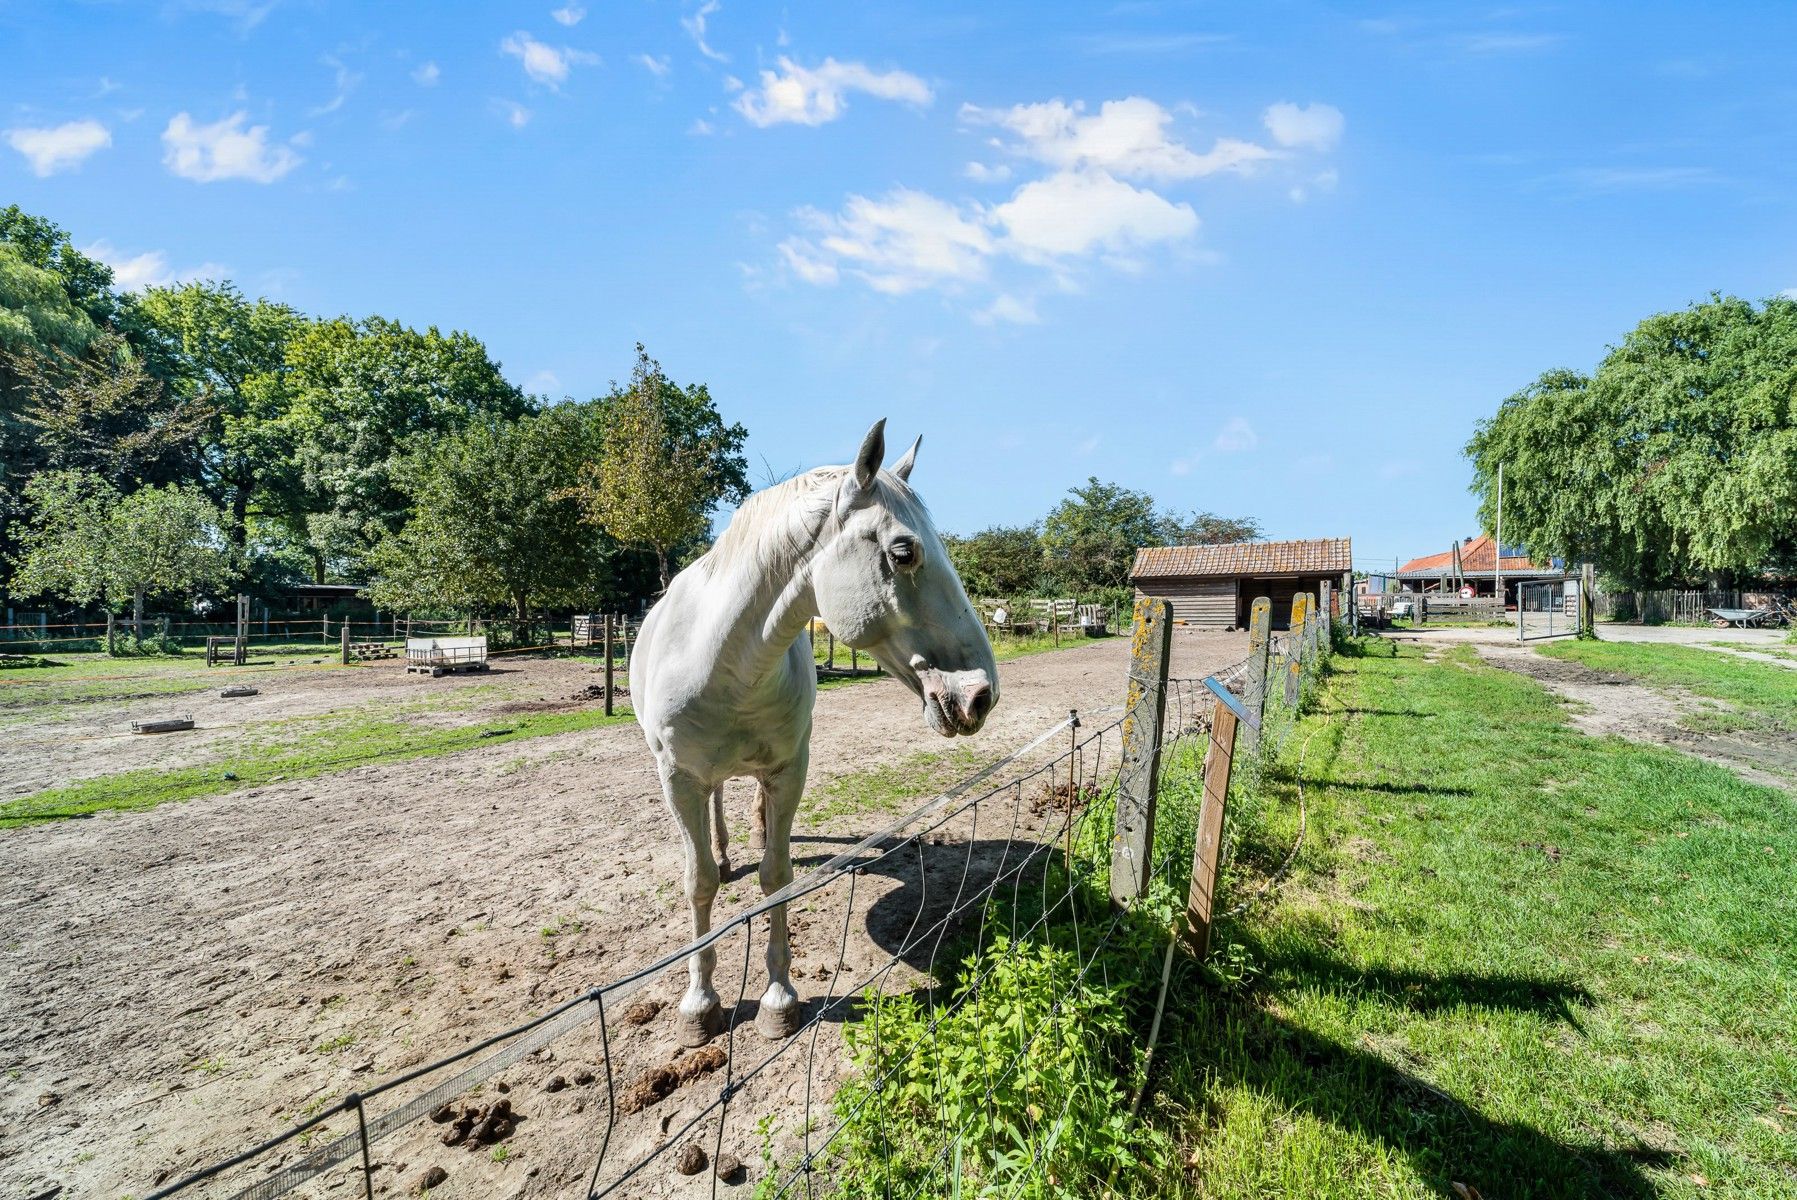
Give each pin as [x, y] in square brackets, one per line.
[899, 243]
[515, 114]
[980, 172]
[224, 150]
[346, 82]
[1236, 436]
[658, 67]
[569, 14]
[543, 383]
[131, 272]
[700, 127]
[1789, 294]
[1078, 212]
[1304, 127]
[1127, 137]
[695, 29]
[59, 147]
[546, 64]
[814, 95]
[427, 74]
[1010, 309]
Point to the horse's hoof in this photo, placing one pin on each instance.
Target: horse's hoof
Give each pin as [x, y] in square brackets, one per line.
[777, 1023]
[724, 865]
[695, 1029]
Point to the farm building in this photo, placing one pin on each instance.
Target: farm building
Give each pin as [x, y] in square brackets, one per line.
[1214, 586]
[1476, 567]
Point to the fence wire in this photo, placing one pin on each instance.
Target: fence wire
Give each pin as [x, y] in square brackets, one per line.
[1012, 851]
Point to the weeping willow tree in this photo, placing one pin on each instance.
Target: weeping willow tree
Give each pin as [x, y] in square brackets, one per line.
[1675, 461]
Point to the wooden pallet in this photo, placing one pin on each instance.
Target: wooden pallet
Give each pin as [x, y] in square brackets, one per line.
[435, 669]
[367, 651]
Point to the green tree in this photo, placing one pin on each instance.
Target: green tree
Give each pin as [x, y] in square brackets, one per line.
[1005, 560]
[497, 525]
[85, 542]
[1675, 461]
[107, 414]
[360, 397]
[1206, 529]
[1090, 538]
[228, 354]
[668, 461]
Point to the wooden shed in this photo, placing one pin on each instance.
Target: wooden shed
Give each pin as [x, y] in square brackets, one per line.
[1212, 587]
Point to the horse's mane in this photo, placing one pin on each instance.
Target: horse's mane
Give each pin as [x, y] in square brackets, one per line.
[776, 527]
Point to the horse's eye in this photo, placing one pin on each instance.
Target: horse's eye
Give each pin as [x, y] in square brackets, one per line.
[903, 553]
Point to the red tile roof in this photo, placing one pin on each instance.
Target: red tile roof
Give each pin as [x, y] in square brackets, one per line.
[1475, 559]
[1315, 556]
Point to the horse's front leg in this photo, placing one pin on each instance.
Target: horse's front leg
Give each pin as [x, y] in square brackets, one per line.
[780, 1011]
[701, 1018]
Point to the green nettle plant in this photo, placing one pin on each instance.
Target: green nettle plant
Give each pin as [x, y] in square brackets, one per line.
[85, 542]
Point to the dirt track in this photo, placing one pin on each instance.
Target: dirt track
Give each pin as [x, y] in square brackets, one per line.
[181, 982]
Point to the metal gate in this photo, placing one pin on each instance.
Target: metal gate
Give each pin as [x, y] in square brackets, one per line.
[1548, 608]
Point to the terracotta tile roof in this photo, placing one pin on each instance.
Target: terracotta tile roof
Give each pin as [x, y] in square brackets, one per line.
[1475, 559]
[1314, 556]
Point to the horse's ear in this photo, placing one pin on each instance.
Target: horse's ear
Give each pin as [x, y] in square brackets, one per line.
[903, 467]
[858, 487]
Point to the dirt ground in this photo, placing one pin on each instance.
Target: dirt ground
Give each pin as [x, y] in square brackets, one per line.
[182, 982]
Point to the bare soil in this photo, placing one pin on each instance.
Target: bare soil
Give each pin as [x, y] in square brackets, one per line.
[179, 983]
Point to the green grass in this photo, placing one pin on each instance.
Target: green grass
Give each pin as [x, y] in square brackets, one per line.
[887, 789]
[1535, 962]
[1773, 651]
[1764, 691]
[1512, 956]
[339, 746]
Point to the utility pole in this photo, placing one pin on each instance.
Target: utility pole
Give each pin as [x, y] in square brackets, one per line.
[1497, 558]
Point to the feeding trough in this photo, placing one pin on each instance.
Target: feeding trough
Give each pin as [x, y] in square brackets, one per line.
[446, 655]
[165, 725]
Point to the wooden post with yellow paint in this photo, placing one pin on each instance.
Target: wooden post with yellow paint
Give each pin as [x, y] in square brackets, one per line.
[1144, 711]
[1260, 644]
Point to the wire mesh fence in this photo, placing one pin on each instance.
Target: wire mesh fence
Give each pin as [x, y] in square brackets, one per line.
[910, 1040]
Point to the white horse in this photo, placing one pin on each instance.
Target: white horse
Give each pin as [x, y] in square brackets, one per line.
[723, 681]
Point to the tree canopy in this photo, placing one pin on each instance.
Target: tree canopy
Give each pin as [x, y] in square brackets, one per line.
[1675, 461]
[668, 460]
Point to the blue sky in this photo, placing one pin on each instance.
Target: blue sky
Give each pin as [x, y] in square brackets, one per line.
[1271, 260]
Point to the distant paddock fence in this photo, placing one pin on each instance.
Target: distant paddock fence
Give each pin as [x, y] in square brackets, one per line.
[1042, 843]
[1673, 607]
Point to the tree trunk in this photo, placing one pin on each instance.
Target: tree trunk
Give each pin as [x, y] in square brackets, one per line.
[317, 565]
[661, 564]
[240, 516]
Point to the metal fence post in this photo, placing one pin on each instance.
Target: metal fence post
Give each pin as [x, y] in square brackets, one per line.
[1145, 708]
[1260, 640]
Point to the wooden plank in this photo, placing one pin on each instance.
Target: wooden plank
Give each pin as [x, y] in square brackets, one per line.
[1207, 849]
[1145, 709]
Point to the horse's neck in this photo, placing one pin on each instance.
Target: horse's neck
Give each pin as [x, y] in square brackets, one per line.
[756, 617]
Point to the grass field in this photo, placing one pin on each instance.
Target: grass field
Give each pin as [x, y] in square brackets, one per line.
[1514, 961]
[1763, 692]
[1517, 958]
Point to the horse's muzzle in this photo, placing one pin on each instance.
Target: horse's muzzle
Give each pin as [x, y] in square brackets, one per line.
[956, 703]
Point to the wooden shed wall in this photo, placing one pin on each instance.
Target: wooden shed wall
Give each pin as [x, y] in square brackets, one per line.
[1207, 603]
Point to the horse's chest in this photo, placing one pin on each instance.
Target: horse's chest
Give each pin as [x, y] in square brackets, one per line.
[746, 739]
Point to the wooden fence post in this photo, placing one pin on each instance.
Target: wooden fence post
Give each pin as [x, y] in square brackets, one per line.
[608, 667]
[1326, 607]
[1145, 709]
[111, 635]
[1294, 650]
[344, 641]
[1207, 849]
[1260, 639]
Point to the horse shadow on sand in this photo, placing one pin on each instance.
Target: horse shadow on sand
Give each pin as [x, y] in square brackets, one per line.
[1222, 1038]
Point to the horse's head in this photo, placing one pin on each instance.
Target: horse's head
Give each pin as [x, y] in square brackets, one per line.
[884, 584]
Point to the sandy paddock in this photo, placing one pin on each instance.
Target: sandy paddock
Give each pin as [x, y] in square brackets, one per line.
[184, 981]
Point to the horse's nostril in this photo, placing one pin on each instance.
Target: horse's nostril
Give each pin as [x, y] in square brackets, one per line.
[978, 701]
